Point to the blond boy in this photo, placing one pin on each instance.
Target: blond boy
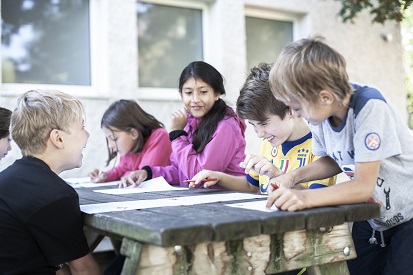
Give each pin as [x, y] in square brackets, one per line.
[41, 225]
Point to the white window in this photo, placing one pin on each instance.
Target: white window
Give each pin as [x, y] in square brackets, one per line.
[170, 36]
[47, 43]
[267, 33]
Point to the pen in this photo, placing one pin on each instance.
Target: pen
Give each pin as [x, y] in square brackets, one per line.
[204, 180]
[274, 186]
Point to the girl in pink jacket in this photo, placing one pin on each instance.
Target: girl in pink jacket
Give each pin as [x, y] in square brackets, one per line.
[206, 133]
[136, 136]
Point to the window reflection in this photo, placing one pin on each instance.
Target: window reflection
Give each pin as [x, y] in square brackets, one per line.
[45, 42]
[169, 38]
[265, 39]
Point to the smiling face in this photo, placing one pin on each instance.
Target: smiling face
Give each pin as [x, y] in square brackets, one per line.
[274, 129]
[198, 97]
[5, 146]
[75, 140]
[119, 141]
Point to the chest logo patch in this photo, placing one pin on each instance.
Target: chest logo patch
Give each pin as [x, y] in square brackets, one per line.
[274, 152]
[372, 141]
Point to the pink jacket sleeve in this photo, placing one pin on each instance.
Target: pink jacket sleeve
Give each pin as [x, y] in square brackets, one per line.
[116, 172]
[156, 151]
[170, 173]
[223, 153]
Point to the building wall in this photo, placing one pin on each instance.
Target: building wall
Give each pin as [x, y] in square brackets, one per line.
[370, 60]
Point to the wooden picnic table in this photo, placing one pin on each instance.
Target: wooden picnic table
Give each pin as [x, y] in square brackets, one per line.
[214, 238]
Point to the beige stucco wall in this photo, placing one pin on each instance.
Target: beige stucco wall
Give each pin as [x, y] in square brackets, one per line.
[370, 59]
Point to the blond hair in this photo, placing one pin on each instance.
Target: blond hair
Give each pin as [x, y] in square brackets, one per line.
[305, 68]
[38, 112]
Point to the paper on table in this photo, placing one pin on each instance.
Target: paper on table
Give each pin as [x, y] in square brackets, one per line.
[86, 183]
[156, 184]
[254, 205]
[77, 180]
[175, 201]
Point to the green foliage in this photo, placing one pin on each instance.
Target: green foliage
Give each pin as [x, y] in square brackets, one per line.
[388, 10]
[407, 39]
[381, 10]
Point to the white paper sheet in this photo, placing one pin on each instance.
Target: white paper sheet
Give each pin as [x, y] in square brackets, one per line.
[86, 183]
[152, 185]
[254, 205]
[175, 201]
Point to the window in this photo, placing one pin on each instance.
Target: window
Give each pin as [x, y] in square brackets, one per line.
[169, 38]
[267, 33]
[45, 42]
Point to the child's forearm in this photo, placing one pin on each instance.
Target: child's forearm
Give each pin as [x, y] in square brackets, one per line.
[236, 183]
[322, 168]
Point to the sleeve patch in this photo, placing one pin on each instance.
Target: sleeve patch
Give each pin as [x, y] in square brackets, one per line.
[372, 141]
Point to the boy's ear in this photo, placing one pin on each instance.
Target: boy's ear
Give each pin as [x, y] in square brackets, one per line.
[56, 138]
[326, 97]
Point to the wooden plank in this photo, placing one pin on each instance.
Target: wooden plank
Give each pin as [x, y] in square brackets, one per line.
[302, 248]
[132, 250]
[88, 196]
[323, 217]
[148, 227]
[263, 254]
[282, 221]
[227, 223]
[361, 211]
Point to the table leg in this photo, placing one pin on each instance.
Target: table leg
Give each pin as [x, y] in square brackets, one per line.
[132, 250]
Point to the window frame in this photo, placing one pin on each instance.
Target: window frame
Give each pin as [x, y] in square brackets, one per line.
[98, 49]
[172, 94]
[295, 19]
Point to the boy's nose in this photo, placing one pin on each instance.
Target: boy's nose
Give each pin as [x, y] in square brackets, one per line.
[260, 132]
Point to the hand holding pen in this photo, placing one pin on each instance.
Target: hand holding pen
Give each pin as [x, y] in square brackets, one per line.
[205, 179]
[192, 183]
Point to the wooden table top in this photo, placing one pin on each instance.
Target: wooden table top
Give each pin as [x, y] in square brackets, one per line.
[194, 224]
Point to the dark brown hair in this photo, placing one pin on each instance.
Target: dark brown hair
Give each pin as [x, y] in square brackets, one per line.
[256, 101]
[5, 116]
[125, 115]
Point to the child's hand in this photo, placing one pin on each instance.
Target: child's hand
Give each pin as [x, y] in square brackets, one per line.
[286, 198]
[260, 165]
[284, 180]
[135, 178]
[97, 176]
[204, 174]
[281, 194]
[179, 119]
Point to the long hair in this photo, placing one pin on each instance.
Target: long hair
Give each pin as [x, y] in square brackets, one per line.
[125, 115]
[208, 74]
[5, 116]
